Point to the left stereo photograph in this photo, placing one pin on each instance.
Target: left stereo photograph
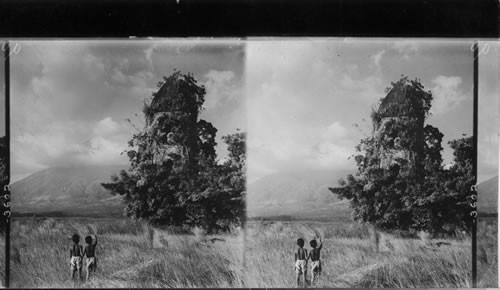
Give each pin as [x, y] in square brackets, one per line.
[128, 164]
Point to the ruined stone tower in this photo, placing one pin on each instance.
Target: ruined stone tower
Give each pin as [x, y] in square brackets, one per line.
[171, 120]
[398, 128]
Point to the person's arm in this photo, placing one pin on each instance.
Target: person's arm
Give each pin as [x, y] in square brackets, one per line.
[320, 244]
[70, 252]
[295, 253]
[81, 251]
[94, 243]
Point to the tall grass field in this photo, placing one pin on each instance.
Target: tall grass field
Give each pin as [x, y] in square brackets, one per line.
[129, 254]
[132, 254]
[487, 252]
[350, 259]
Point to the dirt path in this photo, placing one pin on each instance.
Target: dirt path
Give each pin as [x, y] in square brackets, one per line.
[352, 279]
[129, 272]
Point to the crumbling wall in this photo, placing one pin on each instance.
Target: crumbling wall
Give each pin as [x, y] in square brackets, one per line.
[399, 131]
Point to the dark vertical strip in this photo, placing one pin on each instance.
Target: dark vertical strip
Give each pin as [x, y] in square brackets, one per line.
[7, 137]
[474, 164]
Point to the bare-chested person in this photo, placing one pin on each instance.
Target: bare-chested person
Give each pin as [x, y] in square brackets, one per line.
[315, 259]
[89, 253]
[76, 254]
[301, 262]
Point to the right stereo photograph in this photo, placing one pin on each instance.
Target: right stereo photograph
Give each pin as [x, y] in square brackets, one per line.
[361, 163]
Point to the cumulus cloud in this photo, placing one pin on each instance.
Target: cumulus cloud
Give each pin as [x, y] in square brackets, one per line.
[303, 96]
[219, 76]
[447, 93]
[335, 131]
[335, 147]
[75, 143]
[406, 48]
[332, 155]
[54, 111]
[72, 98]
[94, 67]
[377, 57]
[106, 126]
[297, 93]
[220, 88]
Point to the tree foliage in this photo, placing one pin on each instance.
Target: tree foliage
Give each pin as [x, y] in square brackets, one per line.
[174, 177]
[400, 182]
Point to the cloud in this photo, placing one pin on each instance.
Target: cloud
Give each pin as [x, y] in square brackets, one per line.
[299, 98]
[335, 147]
[220, 88]
[376, 58]
[331, 155]
[219, 76]
[303, 96]
[103, 151]
[73, 143]
[447, 93]
[335, 131]
[406, 48]
[106, 126]
[71, 98]
[93, 66]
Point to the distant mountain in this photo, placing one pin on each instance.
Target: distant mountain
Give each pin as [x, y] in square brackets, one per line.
[487, 196]
[305, 195]
[297, 194]
[67, 191]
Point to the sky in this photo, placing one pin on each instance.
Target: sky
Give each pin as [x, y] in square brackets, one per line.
[305, 95]
[489, 110]
[70, 99]
[298, 99]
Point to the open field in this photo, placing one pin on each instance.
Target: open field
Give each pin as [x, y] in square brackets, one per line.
[487, 252]
[129, 254]
[349, 258]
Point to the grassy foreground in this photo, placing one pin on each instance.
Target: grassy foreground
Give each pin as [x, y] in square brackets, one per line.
[487, 253]
[349, 258]
[132, 254]
[129, 254]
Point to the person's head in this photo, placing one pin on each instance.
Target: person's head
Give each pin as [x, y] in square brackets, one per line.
[313, 243]
[75, 238]
[300, 242]
[88, 240]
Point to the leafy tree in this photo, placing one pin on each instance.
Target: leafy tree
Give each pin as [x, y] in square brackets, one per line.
[460, 179]
[400, 182]
[174, 178]
[444, 208]
[222, 203]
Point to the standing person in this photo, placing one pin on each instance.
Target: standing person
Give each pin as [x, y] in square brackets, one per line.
[76, 254]
[301, 262]
[315, 259]
[89, 253]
